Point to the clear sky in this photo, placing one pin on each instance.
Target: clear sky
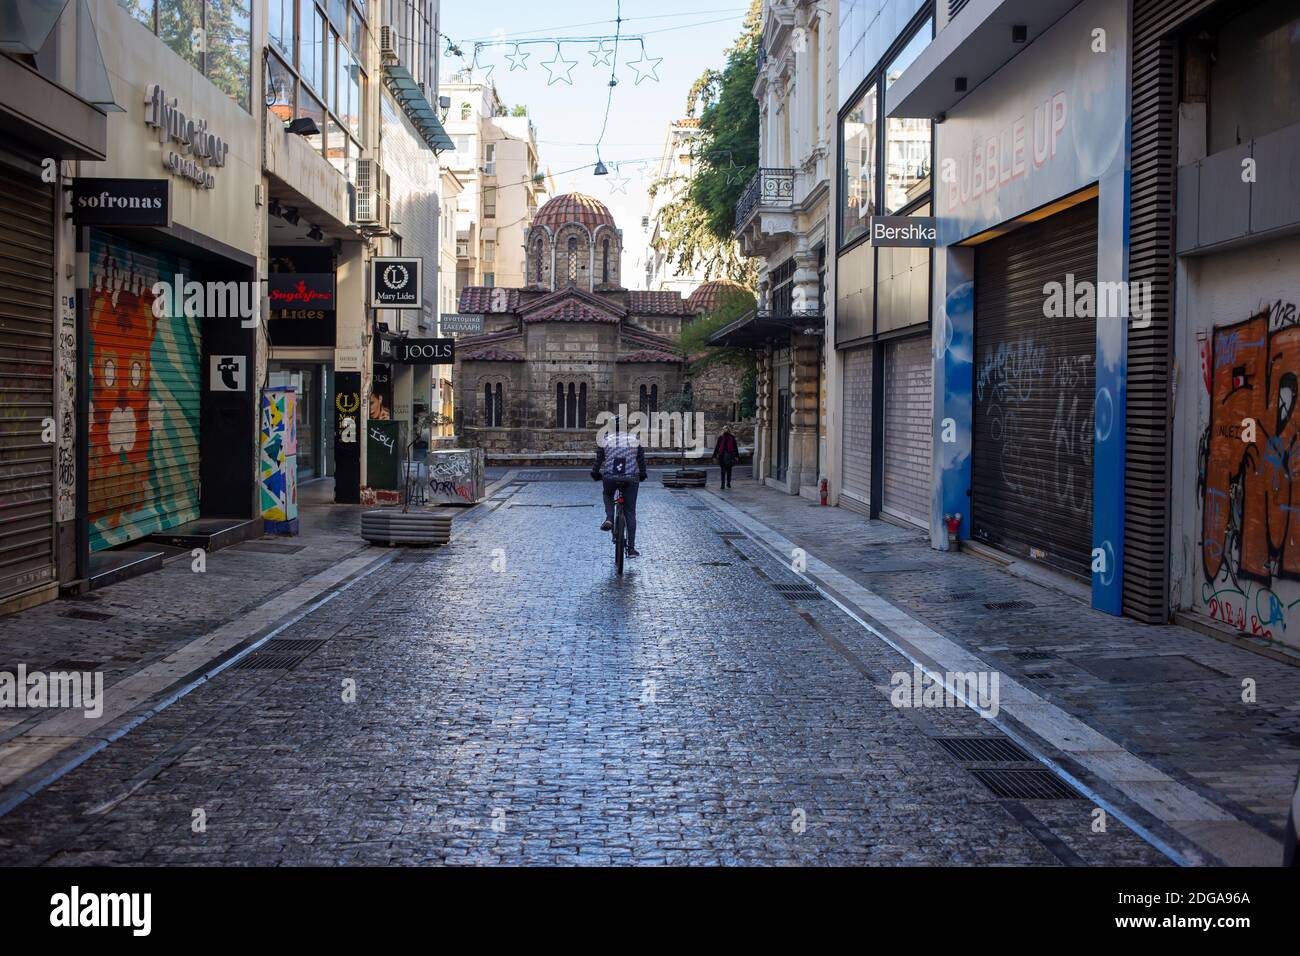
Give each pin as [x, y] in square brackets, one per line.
[690, 37]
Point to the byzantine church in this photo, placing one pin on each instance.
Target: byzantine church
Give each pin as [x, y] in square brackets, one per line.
[573, 343]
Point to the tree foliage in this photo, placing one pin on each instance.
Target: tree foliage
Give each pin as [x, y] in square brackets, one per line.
[697, 227]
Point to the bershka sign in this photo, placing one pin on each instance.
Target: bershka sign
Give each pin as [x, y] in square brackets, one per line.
[425, 351]
[121, 202]
[916, 232]
[294, 290]
[192, 135]
[396, 282]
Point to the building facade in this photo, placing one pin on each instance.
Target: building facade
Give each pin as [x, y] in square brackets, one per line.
[497, 163]
[672, 177]
[784, 219]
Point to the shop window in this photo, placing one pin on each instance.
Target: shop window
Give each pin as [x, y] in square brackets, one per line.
[180, 24]
[282, 26]
[858, 166]
[279, 89]
[311, 45]
[1255, 74]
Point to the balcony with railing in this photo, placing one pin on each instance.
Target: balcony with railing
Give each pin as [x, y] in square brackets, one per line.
[765, 212]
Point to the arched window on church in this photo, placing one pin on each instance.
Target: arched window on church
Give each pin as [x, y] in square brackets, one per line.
[654, 398]
[604, 262]
[644, 405]
[494, 414]
[573, 258]
[570, 405]
[537, 263]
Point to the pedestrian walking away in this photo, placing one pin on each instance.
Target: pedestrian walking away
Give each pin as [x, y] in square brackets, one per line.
[726, 451]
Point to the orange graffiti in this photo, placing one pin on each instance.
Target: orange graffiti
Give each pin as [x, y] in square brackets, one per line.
[1251, 488]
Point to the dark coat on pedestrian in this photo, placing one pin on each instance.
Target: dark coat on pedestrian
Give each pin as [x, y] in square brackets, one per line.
[725, 449]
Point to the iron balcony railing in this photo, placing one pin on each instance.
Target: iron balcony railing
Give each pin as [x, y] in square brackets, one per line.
[769, 188]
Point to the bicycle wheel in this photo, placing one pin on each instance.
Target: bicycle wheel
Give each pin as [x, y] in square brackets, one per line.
[620, 538]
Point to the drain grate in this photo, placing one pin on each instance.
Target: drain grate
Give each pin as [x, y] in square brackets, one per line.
[271, 547]
[955, 596]
[731, 535]
[984, 749]
[528, 505]
[81, 615]
[1008, 605]
[798, 592]
[304, 645]
[1025, 785]
[697, 507]
[1035, 656]
[715, 564]
[269, 662]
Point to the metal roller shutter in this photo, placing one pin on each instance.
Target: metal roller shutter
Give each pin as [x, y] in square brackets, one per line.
[908, 397]
[855, 483]
[1035, 382]
[145, 381]
[27, 306]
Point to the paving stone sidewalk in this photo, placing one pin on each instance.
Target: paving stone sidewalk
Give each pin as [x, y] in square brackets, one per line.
[1170, 695]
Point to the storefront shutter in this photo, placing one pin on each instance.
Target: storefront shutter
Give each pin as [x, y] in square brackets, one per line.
[855, 482]
[908, 397]
[1035, 381]
[27, 309]
[145, 395]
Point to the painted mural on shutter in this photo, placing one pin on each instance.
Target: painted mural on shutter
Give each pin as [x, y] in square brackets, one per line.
[144, 398]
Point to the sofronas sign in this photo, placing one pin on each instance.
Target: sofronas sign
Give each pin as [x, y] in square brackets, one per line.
[121, 202]
[396, 282]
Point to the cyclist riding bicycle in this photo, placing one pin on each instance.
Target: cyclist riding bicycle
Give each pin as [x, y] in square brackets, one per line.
[620, 463]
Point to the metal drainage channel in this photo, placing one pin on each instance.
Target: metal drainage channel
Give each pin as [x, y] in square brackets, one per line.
[280, 655]
[1007, 783]
[797, 592]
[1009, 605]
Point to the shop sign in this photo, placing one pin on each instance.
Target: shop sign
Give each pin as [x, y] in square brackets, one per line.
[425, 351]
[199, 147]
[121, 202]
[460, 322]
[396, 282]
[912, 232]
[301, 291]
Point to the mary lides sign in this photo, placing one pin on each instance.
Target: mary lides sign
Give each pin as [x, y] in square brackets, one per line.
[121, 202]
[396, 282]
[424, 351]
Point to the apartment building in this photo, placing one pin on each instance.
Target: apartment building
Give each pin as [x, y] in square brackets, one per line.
[496, 161]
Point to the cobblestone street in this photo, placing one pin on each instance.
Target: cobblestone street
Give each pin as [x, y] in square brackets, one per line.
[516, 702]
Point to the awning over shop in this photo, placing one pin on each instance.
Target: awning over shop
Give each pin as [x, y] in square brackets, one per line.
[411, 98]
[757, 327]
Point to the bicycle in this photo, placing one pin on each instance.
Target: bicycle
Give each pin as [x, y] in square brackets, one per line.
[619, 531]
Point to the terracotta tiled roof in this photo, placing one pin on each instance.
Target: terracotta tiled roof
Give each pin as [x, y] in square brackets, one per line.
[574, 207]
[649, 355]
[490, 354]
[481, 298]
[571, 310]
[711, 294]
[690, 122]
[641, 302]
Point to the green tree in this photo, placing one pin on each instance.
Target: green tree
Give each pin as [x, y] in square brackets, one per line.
[697, 226]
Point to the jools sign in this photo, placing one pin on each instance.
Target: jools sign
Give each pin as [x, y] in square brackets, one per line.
[425, 351]
[396, 282]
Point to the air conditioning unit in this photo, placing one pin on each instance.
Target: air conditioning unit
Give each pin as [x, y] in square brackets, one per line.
[370, 200]
[388, 43]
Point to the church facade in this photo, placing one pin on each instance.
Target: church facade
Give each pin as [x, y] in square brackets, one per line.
[574, 343]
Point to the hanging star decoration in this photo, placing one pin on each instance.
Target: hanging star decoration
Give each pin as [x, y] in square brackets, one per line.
[484, 68]
[601, 56]
[518, 59]
[619, 183]
[646, 67]
[735, 174]
[559, 68]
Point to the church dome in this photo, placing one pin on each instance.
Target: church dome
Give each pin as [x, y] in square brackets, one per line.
[574, 207]
[712, 294]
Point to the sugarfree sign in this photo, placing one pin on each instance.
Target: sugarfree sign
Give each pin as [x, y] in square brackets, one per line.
[200, 148]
